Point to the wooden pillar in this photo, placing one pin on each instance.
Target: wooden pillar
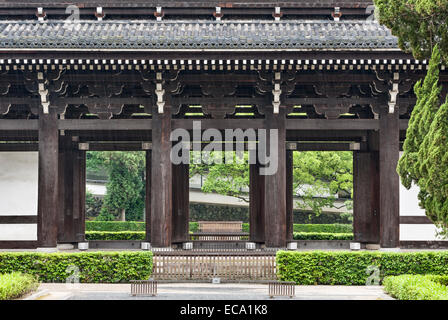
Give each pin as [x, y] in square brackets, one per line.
[389, 146]
[275, 191]
[65, 218]
[256, 204]
[161, 179]
[79, 194]
[289, 195]
[366, 218]
[148, 196]
[181, 203]
[48, 195]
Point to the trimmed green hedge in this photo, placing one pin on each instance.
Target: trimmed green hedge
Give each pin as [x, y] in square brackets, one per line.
[329, 228]
[14, 285]
[115, 226]
[417, 287]
[116, 235]
[140, 226]
[94, 267]
[140, 236]
[322, 236]
[351, 268]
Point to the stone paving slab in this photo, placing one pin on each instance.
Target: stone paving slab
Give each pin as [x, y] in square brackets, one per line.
[208, 291]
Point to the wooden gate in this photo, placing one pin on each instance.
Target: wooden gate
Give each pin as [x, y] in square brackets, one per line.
[205, 266]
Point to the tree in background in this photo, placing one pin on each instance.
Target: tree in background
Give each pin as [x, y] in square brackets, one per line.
[125, 197]
[422, 28]
[318, 177]
[420, 25]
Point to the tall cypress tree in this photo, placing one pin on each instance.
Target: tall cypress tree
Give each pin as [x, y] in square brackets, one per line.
[434, 158]
[428, 102]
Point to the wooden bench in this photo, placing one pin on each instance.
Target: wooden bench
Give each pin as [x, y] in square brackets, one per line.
[220, 231]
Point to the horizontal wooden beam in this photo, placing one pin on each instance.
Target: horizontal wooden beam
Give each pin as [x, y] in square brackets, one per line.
[415, 220]
[18, 244]
[18, 125]
[19, 147]
[112, 124]
[18, 219]
[336, 124]
[416, 244]
[219, 124]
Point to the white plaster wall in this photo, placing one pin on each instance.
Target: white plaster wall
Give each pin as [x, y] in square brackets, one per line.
[409, 207]
[18, 232]
[18, 193]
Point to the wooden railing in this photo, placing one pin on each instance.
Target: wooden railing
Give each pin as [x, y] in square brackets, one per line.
[205, 266]
[282, 288]
[143, 288]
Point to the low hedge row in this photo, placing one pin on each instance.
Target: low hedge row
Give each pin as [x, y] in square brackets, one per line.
[194, 226]
[14, 285]
[141, 235]
[355, 268]
[116, 235]
[115, 226]
[329, 228]
[94, 267]
[322, 236]
[417, 287]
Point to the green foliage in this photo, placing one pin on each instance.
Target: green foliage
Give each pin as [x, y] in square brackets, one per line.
[419, 124]
[116, 235]
[420, 25]
[433, 159]
[322, 173]
[208, 212]
[94, 267]
[115, 226]
[126, 187]
[315, 174]
[322, 236]
[14, 285]
[351, 268]
[93, 205]
[331, 228]
[417, 287]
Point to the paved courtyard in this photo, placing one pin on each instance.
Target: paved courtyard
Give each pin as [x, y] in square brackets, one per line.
[205, 291]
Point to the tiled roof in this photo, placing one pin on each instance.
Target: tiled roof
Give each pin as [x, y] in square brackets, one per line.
[293, 34]
[190, 3]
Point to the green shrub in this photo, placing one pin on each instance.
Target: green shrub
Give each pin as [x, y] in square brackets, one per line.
[322, 236]
[116, 235]
[351, 268]
[329, 228]
[115, 226]
[14, 285]
[94, 267]
[417, 287]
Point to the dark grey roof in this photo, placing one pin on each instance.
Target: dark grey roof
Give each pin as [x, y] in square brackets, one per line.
[293, 34]
[188, 3]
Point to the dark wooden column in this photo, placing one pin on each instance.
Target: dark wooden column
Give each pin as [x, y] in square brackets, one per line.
[389, 145]
[79, 194]
[181, 203]
[289, 195]
[148, 196]
[161, 179]
[275, 191]
[66, 232]
[256, 204]
[48, 195]
[366, 218]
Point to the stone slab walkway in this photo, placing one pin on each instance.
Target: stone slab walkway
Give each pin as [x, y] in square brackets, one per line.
[207, 291]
